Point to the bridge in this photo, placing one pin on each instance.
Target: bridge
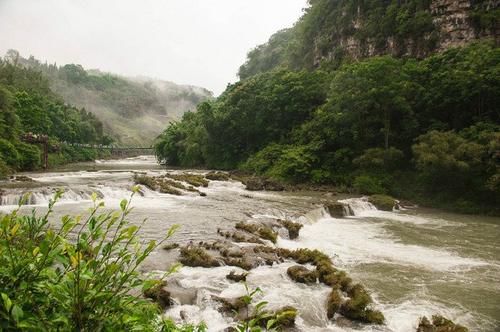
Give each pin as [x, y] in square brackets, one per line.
[114, 151]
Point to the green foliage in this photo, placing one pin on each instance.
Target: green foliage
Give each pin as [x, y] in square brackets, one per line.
[327, 27]
[8, 153]
[77, 276]
[362, 125]
[368, 185]
[29, 156]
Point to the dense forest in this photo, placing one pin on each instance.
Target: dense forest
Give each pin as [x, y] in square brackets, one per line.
[27, 105]
[425, 129]
[133, 110]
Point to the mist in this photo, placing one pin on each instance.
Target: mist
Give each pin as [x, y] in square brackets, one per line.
[194, 42]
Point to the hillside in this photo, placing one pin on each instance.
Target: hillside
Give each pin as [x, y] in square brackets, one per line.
[416, 120]
[133, 110]
[331, 32]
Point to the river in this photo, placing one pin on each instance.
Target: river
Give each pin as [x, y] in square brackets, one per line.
[414, 262]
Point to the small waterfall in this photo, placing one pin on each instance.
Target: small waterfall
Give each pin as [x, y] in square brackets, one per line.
[356, 206]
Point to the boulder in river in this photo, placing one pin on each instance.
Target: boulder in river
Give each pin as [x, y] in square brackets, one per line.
[302, 274]
[439, 324]
[383, 202]
[159, 294]
[336, 209]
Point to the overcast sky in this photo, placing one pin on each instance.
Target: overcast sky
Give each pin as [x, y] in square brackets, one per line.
[198, 42]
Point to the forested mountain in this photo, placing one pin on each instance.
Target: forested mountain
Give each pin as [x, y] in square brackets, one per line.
[332, 32]
[28, 105]
[409, 118]
[133, 110]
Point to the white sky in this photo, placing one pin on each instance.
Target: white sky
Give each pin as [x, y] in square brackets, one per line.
[198, 42]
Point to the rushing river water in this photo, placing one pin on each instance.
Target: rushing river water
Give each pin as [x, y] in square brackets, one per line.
[415, 262]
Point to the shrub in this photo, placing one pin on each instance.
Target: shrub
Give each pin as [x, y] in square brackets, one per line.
[79, 276]
[9, 153]
[365, 184]
[4, 169]
[29, 156]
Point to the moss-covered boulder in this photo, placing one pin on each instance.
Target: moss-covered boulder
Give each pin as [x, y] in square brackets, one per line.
[356, 307]
[302, 274]
[217, 176]
[159, 294]
[382, 202]
[336, 209]
[439, 324]
[333, 303]
[285, 317]
[233, 276]
[262, 231]
[259, 184]
[196, 256]
[293, 228]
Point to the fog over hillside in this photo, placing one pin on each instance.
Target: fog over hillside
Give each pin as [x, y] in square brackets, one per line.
[134, 110]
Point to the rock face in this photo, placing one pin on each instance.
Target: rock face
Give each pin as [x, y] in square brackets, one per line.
[457, 23]
[452, 23]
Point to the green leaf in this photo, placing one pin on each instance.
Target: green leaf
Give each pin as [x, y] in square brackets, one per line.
[123, 204]
[17, 313]
[6, 301]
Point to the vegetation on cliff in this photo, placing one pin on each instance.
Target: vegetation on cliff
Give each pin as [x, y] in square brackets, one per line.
[421, 129]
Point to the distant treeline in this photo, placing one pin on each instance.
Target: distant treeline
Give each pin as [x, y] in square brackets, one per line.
[27, 104]
[421, 129]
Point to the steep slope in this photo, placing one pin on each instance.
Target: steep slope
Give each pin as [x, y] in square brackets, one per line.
[332, 31]
[384, 97]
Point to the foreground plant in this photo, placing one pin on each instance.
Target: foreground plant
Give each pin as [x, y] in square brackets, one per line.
[78, 275]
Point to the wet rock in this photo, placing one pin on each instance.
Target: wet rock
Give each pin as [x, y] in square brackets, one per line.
[262, 231]
[217, 176]
[439, 324]
[259, 184]
[237, 277]
[292, 227]
[382, 202]
[302, 274]
[196, 180]
[285, 317]
[159, 295]
[196, 256]
[333, 303]
[336, 209]
[170, 246]
[23, 178]
[356, 307]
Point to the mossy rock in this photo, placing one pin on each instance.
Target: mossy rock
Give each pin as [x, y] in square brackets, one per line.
[285, 317]
[263, 232]
[196, 180]
[336, 210]
[439, 324]
[356, 307]
[293, 228]
[195, 256]
[170, 246]
[217, 176]
[233, 276]
[159, 295]
[259, 184]
[382, 202]
[333, 303]
[302, 274]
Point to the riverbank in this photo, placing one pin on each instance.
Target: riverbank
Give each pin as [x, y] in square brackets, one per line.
[413, 262]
